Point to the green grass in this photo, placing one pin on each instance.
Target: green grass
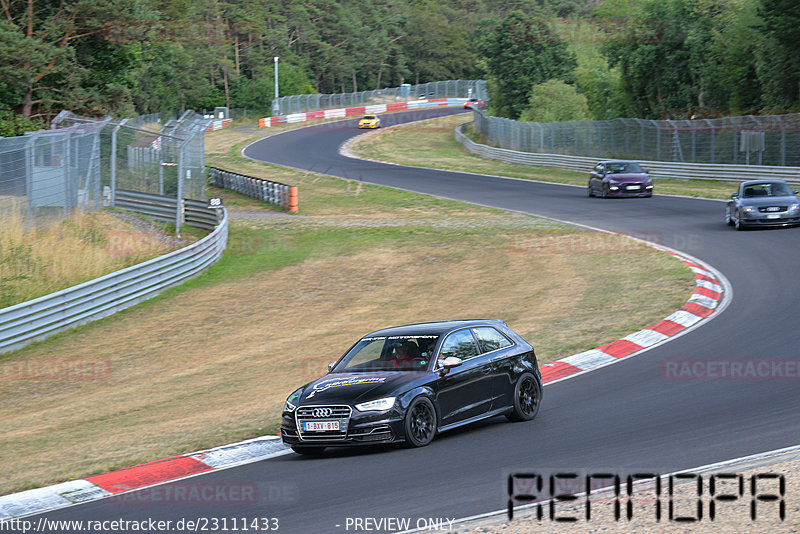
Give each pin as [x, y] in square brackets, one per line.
[401, 144]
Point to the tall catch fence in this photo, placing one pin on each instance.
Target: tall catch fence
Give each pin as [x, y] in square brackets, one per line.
[768, 140]
[81, 162]
[287, 105]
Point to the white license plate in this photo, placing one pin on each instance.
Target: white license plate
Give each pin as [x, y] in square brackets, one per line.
[773, 216]
[633, 187]
[320, 426]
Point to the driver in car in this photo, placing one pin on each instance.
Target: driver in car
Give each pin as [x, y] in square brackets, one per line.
[406, 355]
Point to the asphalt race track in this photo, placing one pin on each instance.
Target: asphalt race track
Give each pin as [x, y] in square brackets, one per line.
[619, 418]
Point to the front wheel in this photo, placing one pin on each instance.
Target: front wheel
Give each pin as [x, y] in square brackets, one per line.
[738, 223]
[420, 422]
[589, 191]
[527, 398]
[728, 219]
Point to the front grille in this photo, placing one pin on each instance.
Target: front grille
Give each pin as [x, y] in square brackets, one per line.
[772, 209]
[322, 413]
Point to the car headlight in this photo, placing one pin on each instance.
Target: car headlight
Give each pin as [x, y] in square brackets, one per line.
[380, 405]
[748, 209]
[291, 402]
[794, 207]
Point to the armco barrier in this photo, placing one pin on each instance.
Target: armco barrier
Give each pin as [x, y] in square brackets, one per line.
[658, 169]
[274, 193]
[163, 208]
[341, 113]
[40, 318]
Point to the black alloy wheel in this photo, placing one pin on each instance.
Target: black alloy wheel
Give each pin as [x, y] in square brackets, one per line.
[420, 422]
[527, 398]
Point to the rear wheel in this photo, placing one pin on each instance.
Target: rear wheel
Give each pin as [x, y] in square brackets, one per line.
[527, 398]
[308, 451]
[420, 422]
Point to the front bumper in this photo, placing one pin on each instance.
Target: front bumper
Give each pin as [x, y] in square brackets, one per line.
[623, 190]
[761, 219]
[361, 428]
[369, 125]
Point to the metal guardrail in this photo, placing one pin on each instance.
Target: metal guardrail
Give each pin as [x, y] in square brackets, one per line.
[40, 318]
[658, 169]
[162, 208]
[274, 193]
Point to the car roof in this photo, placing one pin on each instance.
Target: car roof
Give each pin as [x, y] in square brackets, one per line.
[764, 181]
[433, 328]
[618, 161]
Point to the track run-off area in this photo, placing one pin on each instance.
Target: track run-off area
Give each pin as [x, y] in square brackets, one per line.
[622, 418]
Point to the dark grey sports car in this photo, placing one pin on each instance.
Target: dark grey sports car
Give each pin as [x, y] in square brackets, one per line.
[407, 383]
[763, 203]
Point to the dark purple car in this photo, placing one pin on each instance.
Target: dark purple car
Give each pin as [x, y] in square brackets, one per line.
[619, 179]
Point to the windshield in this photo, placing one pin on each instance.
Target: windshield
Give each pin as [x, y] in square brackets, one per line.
[389, 353]
[767, 189]
[369, 117]
[623, 167]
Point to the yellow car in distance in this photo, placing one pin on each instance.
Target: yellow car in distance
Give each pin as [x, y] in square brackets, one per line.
[369, 121]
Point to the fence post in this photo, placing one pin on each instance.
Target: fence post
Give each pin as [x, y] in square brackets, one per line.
[113, 162]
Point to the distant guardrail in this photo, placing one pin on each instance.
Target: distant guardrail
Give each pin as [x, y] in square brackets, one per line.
[40, 318]
[658, 169]
[358, 111]
[270, 192]
[163, 208]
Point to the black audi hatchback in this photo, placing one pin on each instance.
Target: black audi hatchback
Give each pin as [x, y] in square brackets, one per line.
[407, 383]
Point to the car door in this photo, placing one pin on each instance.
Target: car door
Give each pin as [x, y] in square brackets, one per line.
[464, 391]
[596, 177]
[500, 351]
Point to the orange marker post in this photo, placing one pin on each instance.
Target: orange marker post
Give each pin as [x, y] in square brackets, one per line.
[293, 199]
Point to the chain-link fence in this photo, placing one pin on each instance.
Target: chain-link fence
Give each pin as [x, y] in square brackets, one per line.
[287, 105]
[82, 162]
[745, 140]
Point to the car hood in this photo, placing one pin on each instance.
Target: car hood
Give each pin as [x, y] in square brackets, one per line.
[350, 388]
[769, 201]
[629, 177]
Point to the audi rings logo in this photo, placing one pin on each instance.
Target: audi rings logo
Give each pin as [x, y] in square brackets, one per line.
[322, 412]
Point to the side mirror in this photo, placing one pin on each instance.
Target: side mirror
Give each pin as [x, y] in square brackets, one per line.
[331, 366]
[448, 363]
[646, 171]
[795, 191]
[735, 195]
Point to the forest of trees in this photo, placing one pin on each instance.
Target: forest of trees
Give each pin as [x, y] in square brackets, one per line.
[612, 58]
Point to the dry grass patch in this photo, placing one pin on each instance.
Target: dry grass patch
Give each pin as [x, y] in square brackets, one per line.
[53, 255]
[212, 365]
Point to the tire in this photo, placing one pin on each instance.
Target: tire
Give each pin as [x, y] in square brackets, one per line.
[527, 398]
[738, 224]
[589, 192]
[308, 451]
[605, 192]
[728, 216]
[420, 422]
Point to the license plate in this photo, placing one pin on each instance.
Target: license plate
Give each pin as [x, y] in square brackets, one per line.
[773, 216]
[633, 187]
[320, 426]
